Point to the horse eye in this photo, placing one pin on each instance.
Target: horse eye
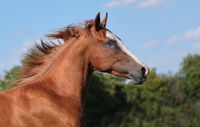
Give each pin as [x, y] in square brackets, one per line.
[111, 43]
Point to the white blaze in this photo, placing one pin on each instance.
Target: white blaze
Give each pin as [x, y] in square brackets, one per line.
[125, 49]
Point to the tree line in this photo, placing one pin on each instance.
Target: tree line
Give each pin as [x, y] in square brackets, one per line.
[164, 100]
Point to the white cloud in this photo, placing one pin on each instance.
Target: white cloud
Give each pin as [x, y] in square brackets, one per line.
[188, 35]
[120, 3]
[150, 44]
[140, 4]
[154, 3]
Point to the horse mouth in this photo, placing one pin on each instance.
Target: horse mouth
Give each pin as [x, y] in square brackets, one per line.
[136, 80]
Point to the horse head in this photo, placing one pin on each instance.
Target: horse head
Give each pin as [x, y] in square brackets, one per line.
[108, 54]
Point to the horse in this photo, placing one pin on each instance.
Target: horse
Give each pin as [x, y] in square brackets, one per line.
[55, 76]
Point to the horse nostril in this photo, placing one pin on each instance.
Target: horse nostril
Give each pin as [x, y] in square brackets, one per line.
[143, 70]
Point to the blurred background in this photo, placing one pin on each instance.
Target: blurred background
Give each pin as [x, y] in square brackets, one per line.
[164, 34]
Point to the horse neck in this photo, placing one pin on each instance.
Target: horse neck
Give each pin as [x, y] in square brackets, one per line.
[71, 70]
[67, 77]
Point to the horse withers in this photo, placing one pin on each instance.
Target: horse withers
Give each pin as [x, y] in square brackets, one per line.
[55, 76]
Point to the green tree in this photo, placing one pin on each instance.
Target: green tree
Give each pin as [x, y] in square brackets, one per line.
[190, 76]
[190, 87]
[105, 100]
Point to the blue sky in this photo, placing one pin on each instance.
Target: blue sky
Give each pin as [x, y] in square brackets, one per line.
[159, 32]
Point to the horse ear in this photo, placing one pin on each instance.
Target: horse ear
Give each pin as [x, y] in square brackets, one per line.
[97, 21]
[104, 21]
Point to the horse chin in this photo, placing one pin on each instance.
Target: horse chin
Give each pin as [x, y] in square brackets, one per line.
[136, 81]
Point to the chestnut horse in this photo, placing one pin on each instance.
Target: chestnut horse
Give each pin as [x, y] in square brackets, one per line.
[51, 92]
